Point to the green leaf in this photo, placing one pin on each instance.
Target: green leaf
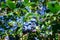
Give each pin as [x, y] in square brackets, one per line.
[3, 5]
[26, 1]
[53, 6]
[10, 4]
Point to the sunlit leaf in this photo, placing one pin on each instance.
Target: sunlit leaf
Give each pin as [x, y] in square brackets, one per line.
[10, 4]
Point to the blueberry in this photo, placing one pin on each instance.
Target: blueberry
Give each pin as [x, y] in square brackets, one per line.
[29, 27]
[34, 30]
[38, 11]
[9, 20]
[7, 26]
[25, 23]
[33, 20]
[25, 28]
[28, 9]
[36, 38]
[49, 27]
[1, 17]
[7, 38]
[1, 29]
[15, 27]
[29, 23]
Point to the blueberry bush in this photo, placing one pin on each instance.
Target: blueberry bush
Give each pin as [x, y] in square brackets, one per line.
[29, 20]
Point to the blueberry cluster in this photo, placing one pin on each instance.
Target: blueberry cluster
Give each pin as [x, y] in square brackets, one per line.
[8, 23]
[30, 26]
